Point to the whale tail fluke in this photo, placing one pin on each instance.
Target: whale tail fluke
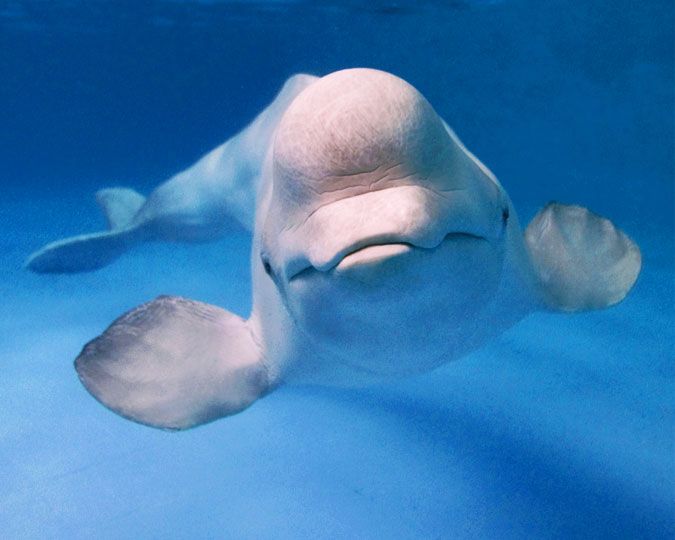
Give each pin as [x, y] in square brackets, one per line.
[582, 260]
[119, 205]
[88, 252]
[83, 253]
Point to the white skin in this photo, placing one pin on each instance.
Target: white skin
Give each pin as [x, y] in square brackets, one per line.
[381, 248]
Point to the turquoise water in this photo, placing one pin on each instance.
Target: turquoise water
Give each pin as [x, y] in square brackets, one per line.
[561, 428]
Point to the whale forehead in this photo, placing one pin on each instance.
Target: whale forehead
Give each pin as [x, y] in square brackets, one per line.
[351, 125]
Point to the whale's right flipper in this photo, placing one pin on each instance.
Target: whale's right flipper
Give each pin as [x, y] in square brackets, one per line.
[174, 363]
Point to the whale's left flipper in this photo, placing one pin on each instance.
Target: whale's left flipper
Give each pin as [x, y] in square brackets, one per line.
[175, 363]
[582, 260]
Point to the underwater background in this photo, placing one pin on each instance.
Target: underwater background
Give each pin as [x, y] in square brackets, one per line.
[561, 428]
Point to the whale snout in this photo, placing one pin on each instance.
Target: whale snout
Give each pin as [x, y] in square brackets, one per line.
[369, 228]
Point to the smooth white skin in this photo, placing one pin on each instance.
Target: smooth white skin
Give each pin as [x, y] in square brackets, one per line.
[385, 239]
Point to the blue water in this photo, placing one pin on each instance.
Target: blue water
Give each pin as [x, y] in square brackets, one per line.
[561, 428]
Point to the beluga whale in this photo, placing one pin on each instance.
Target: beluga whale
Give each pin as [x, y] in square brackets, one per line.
[382, 248]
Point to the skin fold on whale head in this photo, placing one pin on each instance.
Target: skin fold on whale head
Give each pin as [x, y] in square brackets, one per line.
[381, 248]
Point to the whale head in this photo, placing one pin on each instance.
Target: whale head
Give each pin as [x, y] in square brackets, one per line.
[384, 235]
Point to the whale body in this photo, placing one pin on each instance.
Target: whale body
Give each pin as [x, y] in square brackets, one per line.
[382, 248]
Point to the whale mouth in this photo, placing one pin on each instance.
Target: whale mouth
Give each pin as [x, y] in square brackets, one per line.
[373, 254]
[379, 252]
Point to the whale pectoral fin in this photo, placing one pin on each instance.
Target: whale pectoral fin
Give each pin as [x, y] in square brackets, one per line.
[82, 253]
[119, 205]
[174, 363]
[583, 261]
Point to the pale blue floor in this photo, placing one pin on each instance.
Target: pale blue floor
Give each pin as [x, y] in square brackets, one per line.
[561, 428]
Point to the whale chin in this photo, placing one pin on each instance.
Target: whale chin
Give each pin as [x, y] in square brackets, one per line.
[390, 308]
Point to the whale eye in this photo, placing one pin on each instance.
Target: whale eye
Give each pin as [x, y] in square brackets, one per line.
[267, 267]
[505, 216]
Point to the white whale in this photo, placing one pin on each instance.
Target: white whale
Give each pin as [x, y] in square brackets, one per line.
[381, 248]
